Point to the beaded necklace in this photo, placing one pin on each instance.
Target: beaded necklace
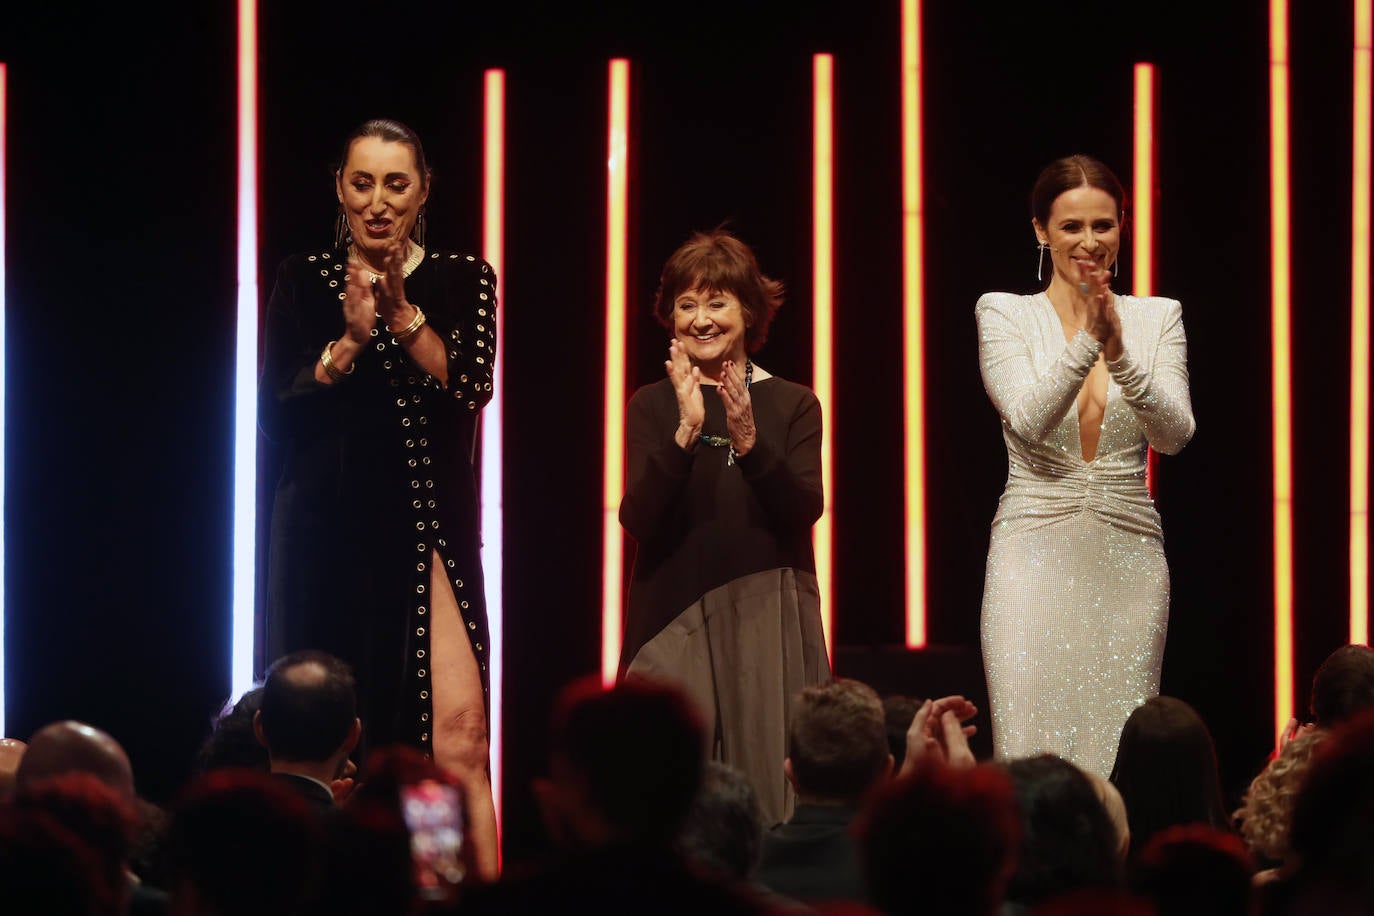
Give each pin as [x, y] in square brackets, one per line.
[725, 441]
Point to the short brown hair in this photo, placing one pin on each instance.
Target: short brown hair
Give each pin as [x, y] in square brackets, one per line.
[718, 262]
[1073, 172]
[837, 740]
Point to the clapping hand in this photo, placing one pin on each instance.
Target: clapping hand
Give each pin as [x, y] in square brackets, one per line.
[937, 733]
[739, 409]
[1103, 322]
[390, 289]
[359, 305]
[691, 409]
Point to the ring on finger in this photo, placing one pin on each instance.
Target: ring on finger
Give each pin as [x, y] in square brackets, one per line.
[1084, 288]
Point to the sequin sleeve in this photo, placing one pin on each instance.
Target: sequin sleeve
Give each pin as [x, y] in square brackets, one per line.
[1030, 403]
[1160, 396]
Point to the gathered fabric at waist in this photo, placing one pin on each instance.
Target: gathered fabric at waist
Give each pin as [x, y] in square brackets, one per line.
[1111, 489]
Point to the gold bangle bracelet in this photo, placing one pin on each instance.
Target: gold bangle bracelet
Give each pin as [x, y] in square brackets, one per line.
[327, 361]
[411, 329]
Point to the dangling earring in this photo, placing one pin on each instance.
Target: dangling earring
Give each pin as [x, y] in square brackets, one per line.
[342, 237]
[1040, 263]
[1116, 265]
[417, 232]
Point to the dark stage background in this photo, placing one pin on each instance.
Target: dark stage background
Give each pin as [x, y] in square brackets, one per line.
[121, 304]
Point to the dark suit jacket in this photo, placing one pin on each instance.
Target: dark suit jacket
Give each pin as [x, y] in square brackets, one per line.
[310, 790]
[812, 857]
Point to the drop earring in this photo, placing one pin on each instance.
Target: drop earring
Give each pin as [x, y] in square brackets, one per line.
[1040, 263]
[341, 235]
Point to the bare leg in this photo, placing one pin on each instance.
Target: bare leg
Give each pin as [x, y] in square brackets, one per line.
[460, 722]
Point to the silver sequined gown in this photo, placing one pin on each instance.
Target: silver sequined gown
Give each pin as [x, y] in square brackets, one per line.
[1076, 596]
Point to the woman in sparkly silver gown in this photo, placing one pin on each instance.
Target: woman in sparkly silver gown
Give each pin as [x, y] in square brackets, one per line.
[1076, 595]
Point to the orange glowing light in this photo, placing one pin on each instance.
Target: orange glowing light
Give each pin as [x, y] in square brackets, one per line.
[1359, 333]
[1282, 363]
[823, 333]
[913, 328]
[1143, 192]
[613, 480]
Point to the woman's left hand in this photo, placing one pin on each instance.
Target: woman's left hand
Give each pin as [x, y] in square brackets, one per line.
[390, 290]
[739, 409]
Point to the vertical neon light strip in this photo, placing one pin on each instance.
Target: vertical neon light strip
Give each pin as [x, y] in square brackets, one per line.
[246, 355]
[613, 479]
[1359, 334]
[1143, 244]
[4, 128]
[493, 505]
[1282, 365]
[913, 328]
[823, 332]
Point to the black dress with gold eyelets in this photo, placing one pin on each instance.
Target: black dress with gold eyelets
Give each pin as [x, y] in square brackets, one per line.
[377, 474]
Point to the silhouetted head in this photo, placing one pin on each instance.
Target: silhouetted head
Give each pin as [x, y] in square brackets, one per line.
[723, 833]
[241, 842]
[1166, 770]
[70, 746]
[626, 762]
[1343, 685]
[309, 706]
[939, 841]
[1067, 840]
[232, 742]
[1332, 834]
[94, 811]
[1194, 869]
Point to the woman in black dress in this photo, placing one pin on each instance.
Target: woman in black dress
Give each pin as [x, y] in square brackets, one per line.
[379, 355]
[723, 486]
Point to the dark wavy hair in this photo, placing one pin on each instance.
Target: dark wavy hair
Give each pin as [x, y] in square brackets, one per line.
[718, 262]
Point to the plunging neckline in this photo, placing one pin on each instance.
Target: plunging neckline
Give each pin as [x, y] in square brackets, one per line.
[1077, 409]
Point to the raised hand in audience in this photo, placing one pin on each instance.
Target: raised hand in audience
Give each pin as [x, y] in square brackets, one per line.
[937, 731]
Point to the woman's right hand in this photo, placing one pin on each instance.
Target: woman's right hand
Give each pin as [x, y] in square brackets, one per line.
[359, 305]
[1102, 320]
[691, 409]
